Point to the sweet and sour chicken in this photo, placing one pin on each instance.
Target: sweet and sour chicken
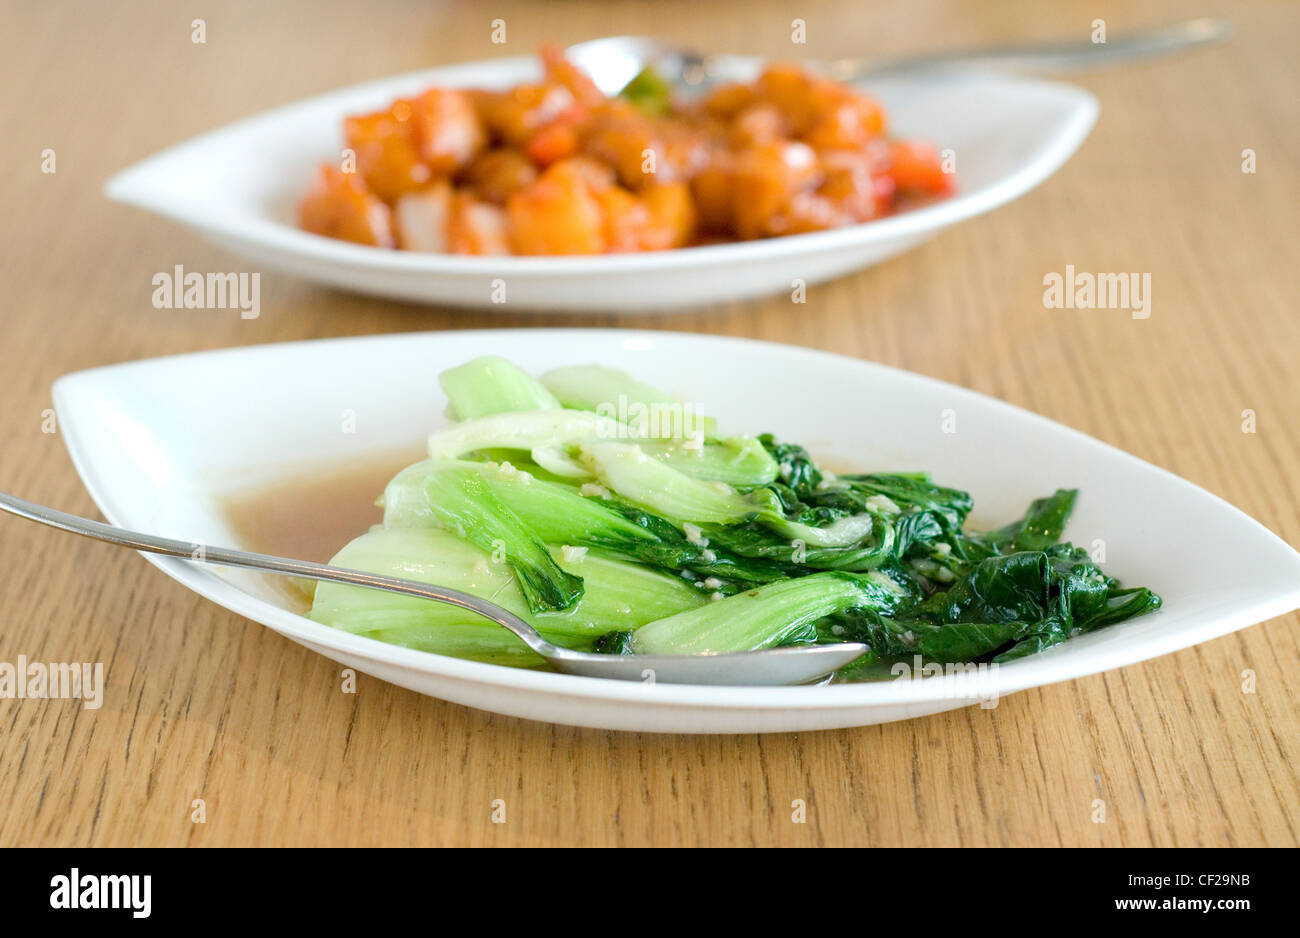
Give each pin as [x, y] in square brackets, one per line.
[557, 167]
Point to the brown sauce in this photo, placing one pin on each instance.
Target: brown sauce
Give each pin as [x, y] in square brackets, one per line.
[311, 516]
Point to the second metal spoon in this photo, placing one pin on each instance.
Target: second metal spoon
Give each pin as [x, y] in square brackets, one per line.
[613, 61]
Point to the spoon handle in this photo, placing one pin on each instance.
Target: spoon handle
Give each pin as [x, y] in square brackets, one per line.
[1050, 57]
[789, 665]
[225, 556]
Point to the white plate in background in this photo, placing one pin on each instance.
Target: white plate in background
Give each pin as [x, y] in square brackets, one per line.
[239, 187]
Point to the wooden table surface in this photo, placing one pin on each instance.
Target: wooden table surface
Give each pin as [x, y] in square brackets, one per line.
[201, 704]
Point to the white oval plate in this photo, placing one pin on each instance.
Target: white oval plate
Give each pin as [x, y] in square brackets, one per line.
[239, 186]
[157, 442]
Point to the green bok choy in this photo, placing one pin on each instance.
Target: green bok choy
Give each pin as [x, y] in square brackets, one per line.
[614, 518]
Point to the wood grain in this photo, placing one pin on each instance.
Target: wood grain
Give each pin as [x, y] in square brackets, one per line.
[202, 704]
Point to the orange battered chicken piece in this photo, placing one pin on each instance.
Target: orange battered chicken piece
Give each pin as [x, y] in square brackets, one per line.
[557, 214]
[338, 206]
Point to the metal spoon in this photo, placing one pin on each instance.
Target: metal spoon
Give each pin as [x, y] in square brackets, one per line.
[792, 665]
[614, 61]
